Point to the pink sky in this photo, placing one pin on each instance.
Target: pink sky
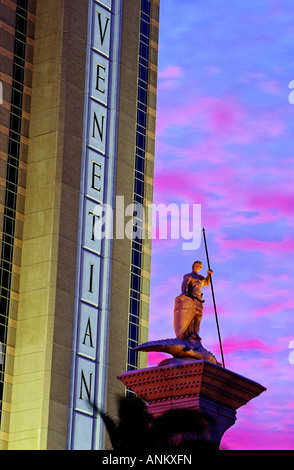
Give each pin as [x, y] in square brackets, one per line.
[225, 140]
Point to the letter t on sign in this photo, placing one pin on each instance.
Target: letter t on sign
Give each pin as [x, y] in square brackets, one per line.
[93, 224]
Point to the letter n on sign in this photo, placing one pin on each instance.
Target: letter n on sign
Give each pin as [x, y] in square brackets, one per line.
[85, 386]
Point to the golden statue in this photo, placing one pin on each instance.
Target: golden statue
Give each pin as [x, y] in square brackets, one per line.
[189, 305]
[188, 311]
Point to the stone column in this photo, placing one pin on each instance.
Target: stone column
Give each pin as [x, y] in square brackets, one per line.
[199, 386]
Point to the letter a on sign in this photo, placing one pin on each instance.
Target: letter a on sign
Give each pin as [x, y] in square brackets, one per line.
[87, 343]
[88, 334]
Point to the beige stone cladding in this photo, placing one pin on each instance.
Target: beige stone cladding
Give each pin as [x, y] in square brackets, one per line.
[15, 95]
[42, 296]
[41, 376]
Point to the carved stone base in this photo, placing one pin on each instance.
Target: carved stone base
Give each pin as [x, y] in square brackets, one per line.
[194, 385]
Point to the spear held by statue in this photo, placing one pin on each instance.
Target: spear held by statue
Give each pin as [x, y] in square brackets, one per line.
[213, 298]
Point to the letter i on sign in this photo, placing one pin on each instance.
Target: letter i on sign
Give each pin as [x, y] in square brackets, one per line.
[91, 278]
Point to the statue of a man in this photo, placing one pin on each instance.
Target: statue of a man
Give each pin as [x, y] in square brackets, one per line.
[193, 282]
[189, 305]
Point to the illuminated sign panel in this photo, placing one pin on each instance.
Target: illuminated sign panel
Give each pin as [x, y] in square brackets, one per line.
[89, 360]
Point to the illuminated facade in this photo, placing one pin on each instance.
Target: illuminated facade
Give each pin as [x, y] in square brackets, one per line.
[78, 104]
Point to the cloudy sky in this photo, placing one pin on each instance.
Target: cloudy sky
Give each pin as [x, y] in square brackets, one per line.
[225, 131]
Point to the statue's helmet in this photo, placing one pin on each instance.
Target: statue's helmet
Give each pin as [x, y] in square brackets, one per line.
[197, 263]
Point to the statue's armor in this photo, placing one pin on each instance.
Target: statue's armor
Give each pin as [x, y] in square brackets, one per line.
[192, 284]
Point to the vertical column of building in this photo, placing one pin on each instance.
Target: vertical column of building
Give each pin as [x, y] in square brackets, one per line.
[149, 173]
[143, 181]
[65, 287]
[130, 284]
[124, 191]
[43, 343]
[94, 262]
[17, 24]
[139, 216]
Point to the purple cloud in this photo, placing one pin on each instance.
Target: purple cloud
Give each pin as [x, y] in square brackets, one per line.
[225, 141]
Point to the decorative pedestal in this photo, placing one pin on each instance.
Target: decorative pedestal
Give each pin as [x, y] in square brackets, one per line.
[194, 385]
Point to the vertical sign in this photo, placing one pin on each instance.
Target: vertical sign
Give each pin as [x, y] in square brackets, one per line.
[89, 362]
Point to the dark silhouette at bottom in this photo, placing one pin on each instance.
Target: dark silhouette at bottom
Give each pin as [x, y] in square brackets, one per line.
[174, 431]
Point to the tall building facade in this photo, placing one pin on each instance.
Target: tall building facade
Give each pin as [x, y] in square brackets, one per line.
[78, 107]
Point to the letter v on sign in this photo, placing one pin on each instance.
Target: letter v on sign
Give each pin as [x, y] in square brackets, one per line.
[102, 31]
